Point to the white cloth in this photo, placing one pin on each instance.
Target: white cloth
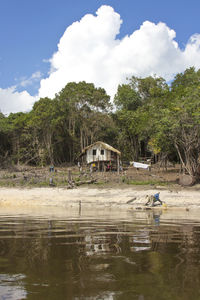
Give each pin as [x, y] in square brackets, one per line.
[140, 165]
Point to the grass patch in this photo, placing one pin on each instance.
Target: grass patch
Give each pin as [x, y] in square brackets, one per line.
[147, 182]
[8, 184]
[99, 182]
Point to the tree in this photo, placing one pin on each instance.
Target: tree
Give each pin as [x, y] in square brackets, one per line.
[16, 123]
[5, 145]
[185, 119]
[136, 102]
[83, 104]
[43, 127]
[176, 121]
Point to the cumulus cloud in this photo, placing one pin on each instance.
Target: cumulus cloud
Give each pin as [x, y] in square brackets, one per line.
[90, 50]
[13, 101]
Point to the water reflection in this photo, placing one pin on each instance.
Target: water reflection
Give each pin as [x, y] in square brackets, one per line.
[10, 287]
[84, 258]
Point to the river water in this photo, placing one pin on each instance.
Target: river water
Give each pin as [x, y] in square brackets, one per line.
[99, 256]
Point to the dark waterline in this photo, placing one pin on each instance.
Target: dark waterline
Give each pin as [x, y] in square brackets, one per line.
[99, 258]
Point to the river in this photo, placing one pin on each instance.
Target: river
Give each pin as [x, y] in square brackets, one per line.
[100, 255]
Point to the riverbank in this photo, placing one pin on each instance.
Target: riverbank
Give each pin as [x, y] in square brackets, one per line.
[130, 197]
[26, 189]
[68, 177]
[181, 205]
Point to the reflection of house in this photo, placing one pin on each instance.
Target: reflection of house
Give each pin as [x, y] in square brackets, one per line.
[101, 154]
[97, 245]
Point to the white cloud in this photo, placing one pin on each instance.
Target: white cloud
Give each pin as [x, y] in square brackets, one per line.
[35, 77]
[90, 51]
[13, 101]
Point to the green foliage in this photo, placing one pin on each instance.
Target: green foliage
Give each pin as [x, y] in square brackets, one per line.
[127, 98]
[137, 104]
[149, 117]
[55, 131]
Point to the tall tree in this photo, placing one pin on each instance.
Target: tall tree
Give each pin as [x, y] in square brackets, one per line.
[177, 121]
[135, 102]
[84, 104]
[5, 145]
[185, 119]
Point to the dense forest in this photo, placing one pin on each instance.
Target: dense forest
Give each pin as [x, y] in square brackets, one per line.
[147, 116]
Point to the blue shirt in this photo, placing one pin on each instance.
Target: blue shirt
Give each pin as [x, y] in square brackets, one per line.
[156, 196]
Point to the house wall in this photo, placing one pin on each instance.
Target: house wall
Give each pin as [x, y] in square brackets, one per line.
[98, 157]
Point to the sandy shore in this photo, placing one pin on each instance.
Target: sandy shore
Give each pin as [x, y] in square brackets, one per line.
[107, 196]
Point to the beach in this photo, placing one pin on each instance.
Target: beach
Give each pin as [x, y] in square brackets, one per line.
[182, 203]
[113, 196]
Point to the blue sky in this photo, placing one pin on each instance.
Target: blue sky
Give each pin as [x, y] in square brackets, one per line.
[30, 31]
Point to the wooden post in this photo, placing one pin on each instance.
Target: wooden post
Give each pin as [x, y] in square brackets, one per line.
[118, 164]
[69, 175]
[79, 208]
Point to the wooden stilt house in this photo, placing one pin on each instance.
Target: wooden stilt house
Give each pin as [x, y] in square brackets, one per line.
[102, 156]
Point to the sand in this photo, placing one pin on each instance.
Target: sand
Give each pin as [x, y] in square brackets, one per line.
[107, 196]
[58, 202]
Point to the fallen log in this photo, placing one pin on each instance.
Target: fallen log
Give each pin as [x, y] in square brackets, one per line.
[130, 201]
[86, 182]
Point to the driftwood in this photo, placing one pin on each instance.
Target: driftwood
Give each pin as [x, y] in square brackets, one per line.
[72, 184]
[86, 182]
[130, 201]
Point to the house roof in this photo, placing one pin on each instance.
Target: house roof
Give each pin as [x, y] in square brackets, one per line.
[104, 145]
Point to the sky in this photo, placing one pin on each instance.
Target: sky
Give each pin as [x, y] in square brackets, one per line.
[44, 44]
